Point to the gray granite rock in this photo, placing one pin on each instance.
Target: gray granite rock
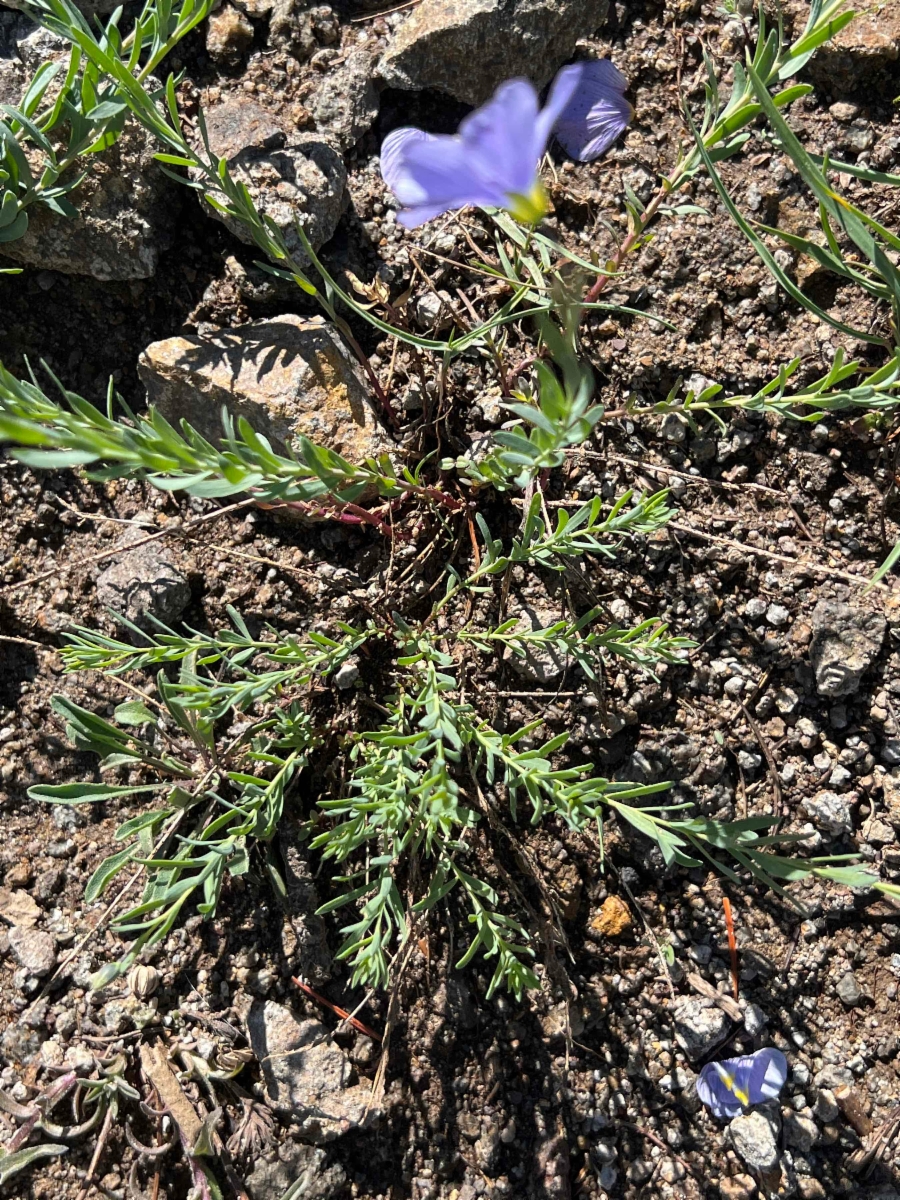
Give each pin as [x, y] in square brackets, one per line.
[468, 47]
[293, 178]
[305, 1168]
[125, 217]
[845, 642]
[754, 1140]
[830, 812]
[33, 949]
[143, 583]
[700, 1026]
[345, 103]
[849, 990]
[308, 1079]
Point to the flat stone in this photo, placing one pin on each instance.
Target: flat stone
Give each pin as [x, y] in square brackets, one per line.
[845, 643]
[33, 949]
[754, 1140]
[293, 178]
[287, 376]
[308, 1079]
[829, 812]
[18, 907]
[700, 1026]
[468, 47]
[305, 1168]
[144, 583]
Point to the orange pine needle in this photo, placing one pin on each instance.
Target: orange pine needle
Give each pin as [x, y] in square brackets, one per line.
[337, 1010]
[732, 946]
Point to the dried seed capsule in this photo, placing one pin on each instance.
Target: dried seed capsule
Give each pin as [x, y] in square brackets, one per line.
[143, 981]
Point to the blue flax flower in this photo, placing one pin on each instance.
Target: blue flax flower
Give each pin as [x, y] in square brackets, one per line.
[493, 160]
[727, 1087]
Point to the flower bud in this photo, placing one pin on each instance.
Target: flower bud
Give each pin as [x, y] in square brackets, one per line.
[143, 981]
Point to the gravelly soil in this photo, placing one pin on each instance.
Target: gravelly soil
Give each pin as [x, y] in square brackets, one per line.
[582, 1089]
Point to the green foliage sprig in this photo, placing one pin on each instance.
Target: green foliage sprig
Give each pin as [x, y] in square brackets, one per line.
[48, 434]
[645, 645]
[68, 114]
[879, 392]
[230, 791]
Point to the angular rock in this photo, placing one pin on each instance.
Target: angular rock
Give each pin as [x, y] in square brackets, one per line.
[849, 990]
[738, 1187]
[297, 178]
[124, 218]
[468, 47]
[305, 1168]
[845, 643]
[290, 29]
[286, 376]
[144, 583]
[700, 1026]
[33, 949]
[830, 812]
[18, 908]
[754, 1140]
[800, 1131]
[825, 1108]
[833, 1077]
[228, 34]
[345, 104]
[308, 1078]
[613, 919]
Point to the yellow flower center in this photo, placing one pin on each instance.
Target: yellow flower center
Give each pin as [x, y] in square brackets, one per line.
[530, 208]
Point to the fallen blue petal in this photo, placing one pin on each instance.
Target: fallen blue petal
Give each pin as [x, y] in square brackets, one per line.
[596, 112]
[492, 161]
[730, 1086]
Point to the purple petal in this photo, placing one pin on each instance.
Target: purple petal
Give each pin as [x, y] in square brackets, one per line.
[500, 138]
[767, 1075]
[393, 159]
[720, 1101]
[596, 113]
[440, 174]
[561, 94]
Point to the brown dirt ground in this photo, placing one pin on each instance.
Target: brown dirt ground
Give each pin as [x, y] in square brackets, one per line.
[490, 1098]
